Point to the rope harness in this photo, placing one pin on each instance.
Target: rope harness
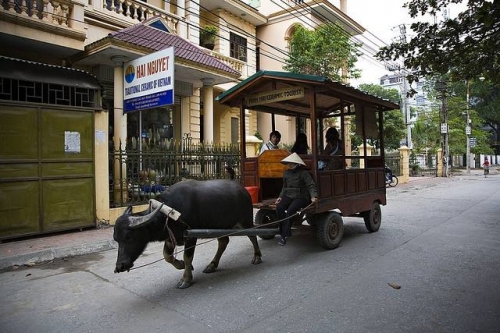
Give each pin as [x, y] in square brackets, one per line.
[172, 237]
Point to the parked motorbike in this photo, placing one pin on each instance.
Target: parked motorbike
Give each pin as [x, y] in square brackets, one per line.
[390, 179]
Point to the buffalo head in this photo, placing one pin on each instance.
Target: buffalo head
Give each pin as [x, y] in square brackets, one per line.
[132, 236]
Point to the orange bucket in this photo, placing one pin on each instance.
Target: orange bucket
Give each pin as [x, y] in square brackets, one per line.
[254, 193]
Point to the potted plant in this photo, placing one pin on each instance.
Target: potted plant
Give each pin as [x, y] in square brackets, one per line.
[207, 36]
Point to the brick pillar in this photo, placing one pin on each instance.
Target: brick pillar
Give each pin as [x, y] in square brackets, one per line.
[440, 162]
[404, 165]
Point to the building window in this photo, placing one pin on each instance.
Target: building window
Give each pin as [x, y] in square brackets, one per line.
[151, 128]
[420, 100]
[238, 46]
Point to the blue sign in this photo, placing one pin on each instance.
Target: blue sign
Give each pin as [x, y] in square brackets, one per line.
[149, 81]
[149, 101]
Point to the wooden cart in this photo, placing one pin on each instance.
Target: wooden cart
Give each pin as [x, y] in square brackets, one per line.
[356, 189]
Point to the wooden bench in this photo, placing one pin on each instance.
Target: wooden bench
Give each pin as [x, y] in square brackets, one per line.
[269, 163]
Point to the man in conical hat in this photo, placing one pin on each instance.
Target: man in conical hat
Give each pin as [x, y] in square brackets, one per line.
[299, 190]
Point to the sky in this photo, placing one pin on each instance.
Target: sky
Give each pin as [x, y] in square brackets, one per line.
[380, 18]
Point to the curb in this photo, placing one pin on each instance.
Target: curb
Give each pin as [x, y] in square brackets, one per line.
[31, 259]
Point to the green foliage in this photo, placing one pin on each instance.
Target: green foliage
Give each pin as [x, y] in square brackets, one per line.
[208, 34]
[394, 125]
[326, 51]
[379, 91]
[465, 47]
[427, 130]
[426, 135]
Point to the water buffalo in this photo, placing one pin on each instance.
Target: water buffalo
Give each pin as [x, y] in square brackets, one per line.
[211, 204]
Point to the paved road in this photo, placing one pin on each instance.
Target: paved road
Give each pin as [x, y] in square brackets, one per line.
[439, 243]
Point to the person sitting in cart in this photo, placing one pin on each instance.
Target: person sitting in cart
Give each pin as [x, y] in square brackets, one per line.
[300, 146]
[334, 147]
[299, 190]
[274, 139]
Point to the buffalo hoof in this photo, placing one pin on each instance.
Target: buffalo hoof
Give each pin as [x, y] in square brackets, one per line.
[122, 268]
[210, 268]
[257, 260]
[184, 284]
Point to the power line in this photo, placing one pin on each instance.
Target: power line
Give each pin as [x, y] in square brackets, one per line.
[370, 52]
[263, 52]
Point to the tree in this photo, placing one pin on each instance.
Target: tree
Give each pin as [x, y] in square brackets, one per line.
[457, 109]
[394, 125]
[427, 133]
[486, 100]
[464, 47]
[326, 51]
[426, 136]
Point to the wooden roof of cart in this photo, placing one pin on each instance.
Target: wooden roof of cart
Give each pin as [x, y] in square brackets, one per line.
[329, 95]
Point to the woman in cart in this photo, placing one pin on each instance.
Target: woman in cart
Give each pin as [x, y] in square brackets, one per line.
[299, 190]
[334, 147]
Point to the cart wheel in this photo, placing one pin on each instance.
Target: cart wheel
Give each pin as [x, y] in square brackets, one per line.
[265, 216]
[330, 229]
[373, 217]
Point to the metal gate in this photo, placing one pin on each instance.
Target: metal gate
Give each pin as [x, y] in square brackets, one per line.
[46, 148]
[46, 170]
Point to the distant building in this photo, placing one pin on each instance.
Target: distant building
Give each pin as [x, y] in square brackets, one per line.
[410, 106]
[398, 82]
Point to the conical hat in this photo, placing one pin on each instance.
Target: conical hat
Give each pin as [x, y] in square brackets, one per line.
[293, 158]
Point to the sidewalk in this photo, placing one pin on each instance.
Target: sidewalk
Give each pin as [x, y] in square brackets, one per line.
[32, 251]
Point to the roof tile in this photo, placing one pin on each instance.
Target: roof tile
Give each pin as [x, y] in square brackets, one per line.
[146, 36]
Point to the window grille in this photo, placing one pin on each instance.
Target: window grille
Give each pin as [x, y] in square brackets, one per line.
[46, 93]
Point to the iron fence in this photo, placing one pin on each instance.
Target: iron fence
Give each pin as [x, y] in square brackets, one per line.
[393, 161]
[136, 175]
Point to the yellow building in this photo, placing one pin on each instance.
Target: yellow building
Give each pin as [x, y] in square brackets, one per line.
[62, 92]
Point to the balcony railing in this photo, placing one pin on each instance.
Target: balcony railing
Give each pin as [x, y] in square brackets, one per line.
[231, 62]
[56, 12]
[138, 11]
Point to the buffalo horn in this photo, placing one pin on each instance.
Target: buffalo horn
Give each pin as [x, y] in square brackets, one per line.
[166, 210]
[128, 211]
[138, 221]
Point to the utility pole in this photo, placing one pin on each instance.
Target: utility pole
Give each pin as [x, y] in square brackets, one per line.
[468, 131]
[401, 73]
[442, 88]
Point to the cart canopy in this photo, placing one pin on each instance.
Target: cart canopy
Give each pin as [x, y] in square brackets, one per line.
[293, 94]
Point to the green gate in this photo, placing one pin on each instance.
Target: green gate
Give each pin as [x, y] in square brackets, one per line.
[46, 169]
[46, 148]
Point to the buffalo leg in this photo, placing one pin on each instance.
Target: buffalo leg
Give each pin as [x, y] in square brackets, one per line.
[223, 241]
[168, 251]
[187, 277]
[257, 255]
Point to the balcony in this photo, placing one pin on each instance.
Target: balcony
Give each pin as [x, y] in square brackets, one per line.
[68, 25]
[124, 13]
[60, 18]
[62, 28]
[235, 64]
